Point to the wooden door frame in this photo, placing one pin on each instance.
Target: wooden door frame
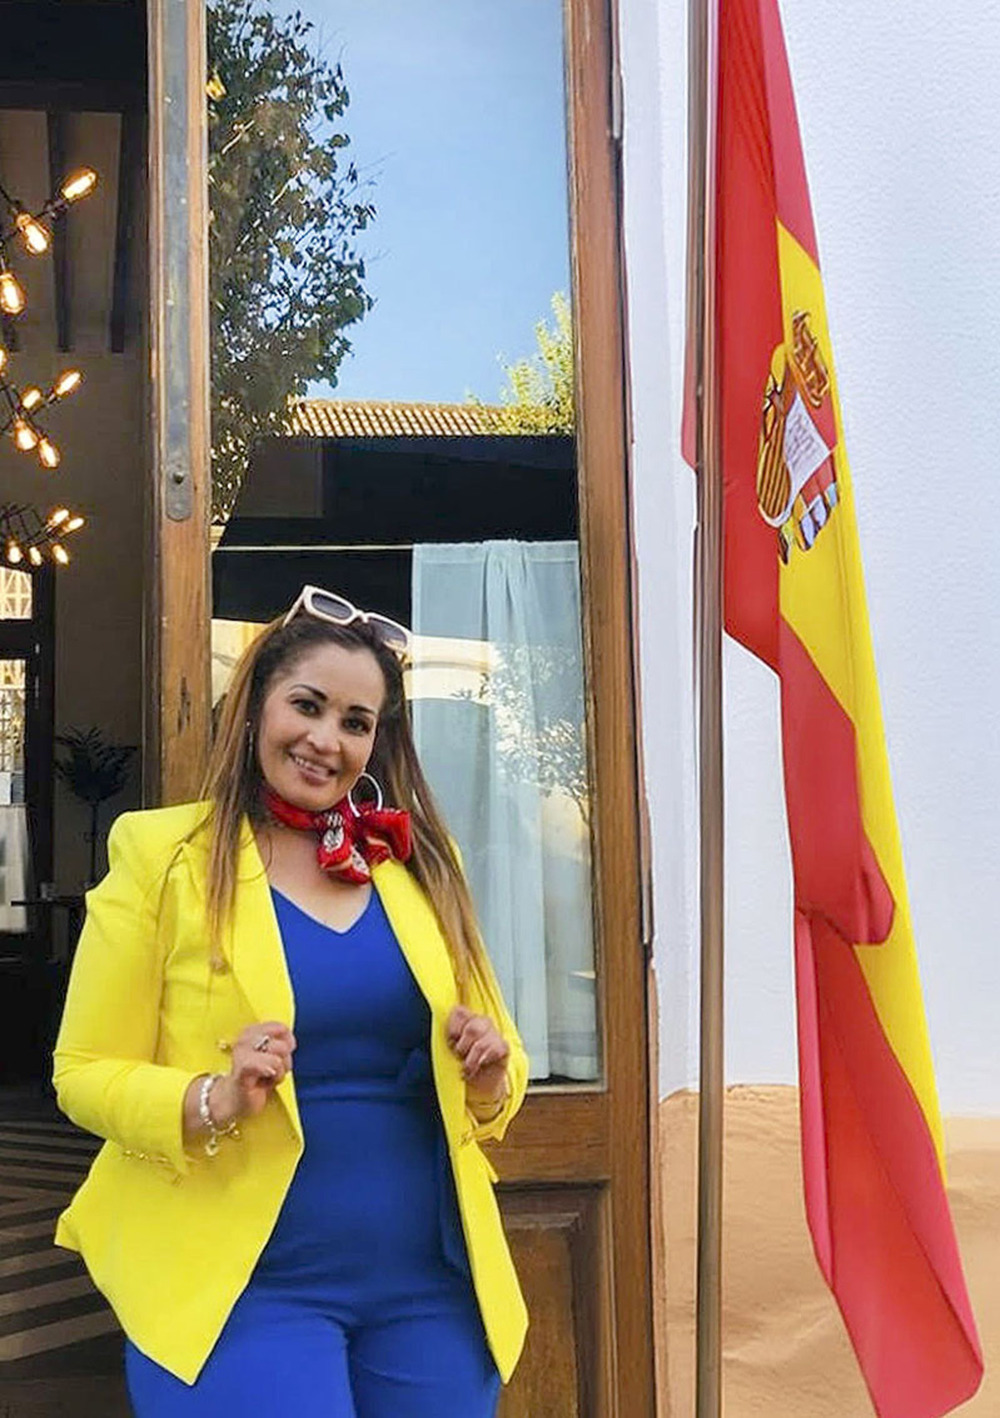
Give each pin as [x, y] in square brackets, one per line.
[177, 703]
[594, 96]
[603, 1147]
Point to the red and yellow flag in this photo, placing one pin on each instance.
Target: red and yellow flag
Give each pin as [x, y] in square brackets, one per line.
[794, 595]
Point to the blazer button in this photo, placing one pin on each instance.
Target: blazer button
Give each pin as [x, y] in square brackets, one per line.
[224, 1046]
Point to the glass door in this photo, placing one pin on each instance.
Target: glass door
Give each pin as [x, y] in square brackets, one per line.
[26, 702]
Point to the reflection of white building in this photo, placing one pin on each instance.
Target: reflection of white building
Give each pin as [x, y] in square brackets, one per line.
[443, 667]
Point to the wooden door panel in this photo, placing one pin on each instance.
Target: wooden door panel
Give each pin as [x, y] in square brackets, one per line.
[559, 1240]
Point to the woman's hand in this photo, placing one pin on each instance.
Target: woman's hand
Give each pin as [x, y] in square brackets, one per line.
[483, 1051]
[255, 1072]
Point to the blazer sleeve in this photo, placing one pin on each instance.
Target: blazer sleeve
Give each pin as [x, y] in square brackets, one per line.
[486, 998]
[104, 1074]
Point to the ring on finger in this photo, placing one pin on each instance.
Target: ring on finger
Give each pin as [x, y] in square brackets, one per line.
[263, 1043]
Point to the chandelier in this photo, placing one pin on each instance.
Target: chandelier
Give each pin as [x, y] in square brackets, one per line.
[24, 532]
[35, 235]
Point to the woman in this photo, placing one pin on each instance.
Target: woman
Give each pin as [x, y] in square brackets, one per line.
[282, 1019]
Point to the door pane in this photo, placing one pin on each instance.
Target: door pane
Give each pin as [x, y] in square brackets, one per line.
[14, 854]
[15, 594]
[392, 288]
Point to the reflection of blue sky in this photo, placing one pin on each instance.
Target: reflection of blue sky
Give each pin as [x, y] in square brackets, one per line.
[457, 114]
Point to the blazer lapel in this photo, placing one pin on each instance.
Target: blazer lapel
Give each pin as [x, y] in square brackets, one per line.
[252, 946]
[416, 928]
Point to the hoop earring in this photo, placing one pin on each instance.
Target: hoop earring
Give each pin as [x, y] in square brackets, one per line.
[378, 792]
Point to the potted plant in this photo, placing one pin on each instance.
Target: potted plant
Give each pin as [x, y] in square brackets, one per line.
[94, 770]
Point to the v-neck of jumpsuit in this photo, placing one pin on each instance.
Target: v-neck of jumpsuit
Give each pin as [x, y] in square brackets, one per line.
[371, 1212]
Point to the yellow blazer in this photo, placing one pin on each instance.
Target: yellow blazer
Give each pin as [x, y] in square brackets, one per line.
[170, 1236]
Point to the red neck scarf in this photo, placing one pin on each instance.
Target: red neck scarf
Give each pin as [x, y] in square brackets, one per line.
[352, 840]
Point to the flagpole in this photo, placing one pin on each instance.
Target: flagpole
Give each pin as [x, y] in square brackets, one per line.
[702, 89]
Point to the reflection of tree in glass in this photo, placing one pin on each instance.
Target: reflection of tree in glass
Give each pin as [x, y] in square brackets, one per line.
[536, 695]
[286, 279]
[539, 395]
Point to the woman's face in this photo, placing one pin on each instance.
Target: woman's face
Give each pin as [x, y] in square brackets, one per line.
[317, 725]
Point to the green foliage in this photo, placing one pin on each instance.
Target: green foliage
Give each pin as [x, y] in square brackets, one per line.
[285, 277]
[539, 396]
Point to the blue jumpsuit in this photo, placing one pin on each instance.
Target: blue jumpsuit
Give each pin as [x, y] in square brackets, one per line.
[361, 1305]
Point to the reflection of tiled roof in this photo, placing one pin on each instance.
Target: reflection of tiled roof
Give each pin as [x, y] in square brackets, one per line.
[347, 418]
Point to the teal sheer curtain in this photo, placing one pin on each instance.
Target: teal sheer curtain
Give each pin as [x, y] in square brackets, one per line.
[498, 705]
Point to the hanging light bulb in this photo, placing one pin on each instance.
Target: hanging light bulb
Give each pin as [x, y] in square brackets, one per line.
[24, 436]
[78, 184]
[3, 359]
[69, 380]
[60, 553]
[34, 556]
[35, 237]
[14, 553]
[48, 454]
[74, 524]
[31, 397]
[61, 514]
[11, 294]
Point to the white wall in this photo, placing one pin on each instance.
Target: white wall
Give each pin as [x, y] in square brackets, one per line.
[899, 111]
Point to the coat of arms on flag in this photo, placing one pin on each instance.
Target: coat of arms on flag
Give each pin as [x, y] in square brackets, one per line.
[796, 477]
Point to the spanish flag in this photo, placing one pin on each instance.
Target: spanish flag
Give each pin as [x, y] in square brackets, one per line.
[794, 595]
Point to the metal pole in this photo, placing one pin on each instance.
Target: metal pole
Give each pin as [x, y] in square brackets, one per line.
[702, 320]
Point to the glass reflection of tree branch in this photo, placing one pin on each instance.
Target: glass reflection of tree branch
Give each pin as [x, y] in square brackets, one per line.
[546, 749]
[540, 394]
[286, 277]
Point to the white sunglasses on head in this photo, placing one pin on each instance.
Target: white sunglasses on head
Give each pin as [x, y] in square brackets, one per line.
[327, 605]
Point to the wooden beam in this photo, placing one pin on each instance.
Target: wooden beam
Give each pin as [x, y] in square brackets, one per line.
[66, 97]
[81, 58]
[56, 125]
[48, 41]
[131, 143]
[178, 687]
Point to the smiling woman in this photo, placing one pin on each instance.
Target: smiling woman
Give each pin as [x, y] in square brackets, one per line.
[403, 1057]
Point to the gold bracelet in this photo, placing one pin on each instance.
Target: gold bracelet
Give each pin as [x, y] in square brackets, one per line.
[498, 1106]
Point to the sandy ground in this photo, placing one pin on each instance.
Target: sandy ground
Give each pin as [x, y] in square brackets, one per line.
[786, 1354]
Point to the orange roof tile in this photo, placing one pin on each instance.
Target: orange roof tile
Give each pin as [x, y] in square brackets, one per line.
[349, 418]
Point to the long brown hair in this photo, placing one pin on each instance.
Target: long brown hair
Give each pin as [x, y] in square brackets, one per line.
[233, 784]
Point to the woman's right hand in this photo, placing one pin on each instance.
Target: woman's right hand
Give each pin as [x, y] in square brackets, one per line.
[254, 1074]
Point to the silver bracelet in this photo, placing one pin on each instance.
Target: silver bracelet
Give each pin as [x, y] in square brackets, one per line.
[214, 1133]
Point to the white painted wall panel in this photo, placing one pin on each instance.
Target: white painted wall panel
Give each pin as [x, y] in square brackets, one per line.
[899, 110]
